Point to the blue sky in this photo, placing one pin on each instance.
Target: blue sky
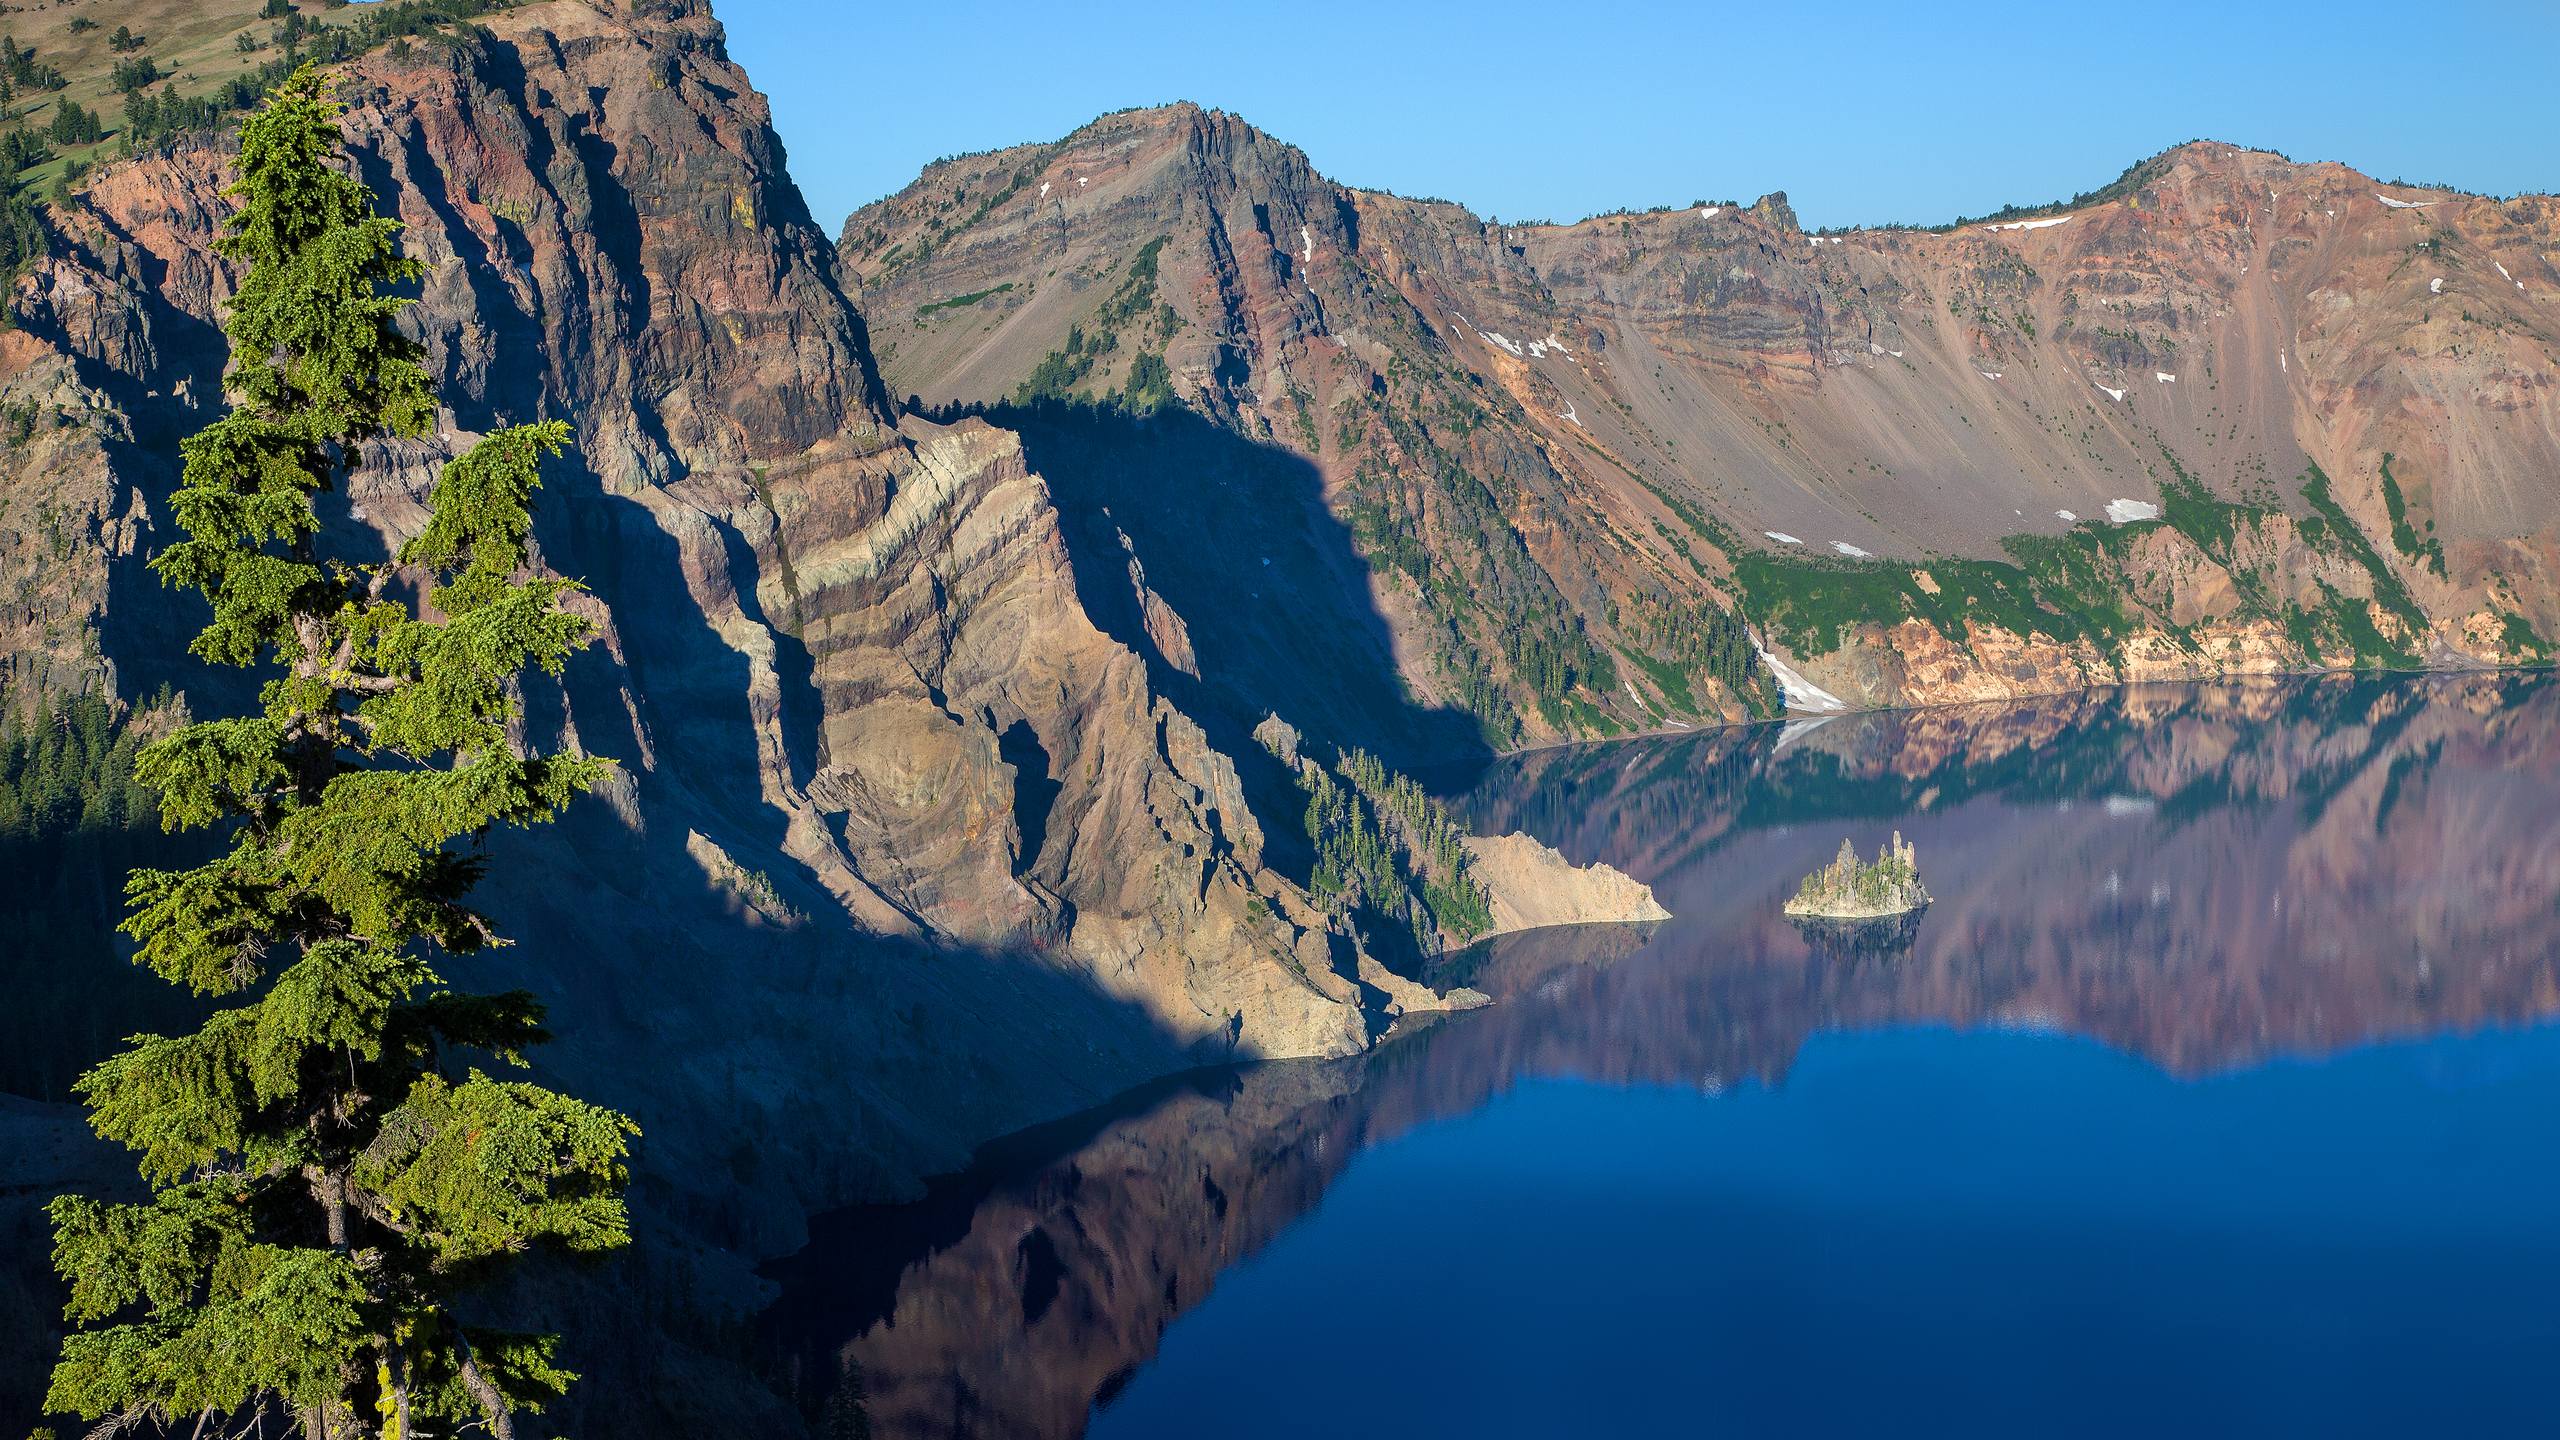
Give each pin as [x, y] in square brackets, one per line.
[1861, 111]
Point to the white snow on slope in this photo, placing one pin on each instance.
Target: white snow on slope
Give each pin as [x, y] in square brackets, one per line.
[1044, 189]
[2066, 517]
[1988, 374]
[1569, 415]
[1782, 537]
[1852, 551]
[2436, 286]
[1496, 337]
[2280, 361]
[1083, 180]
[2402, 204]
[1709, 212]
[1552, 343]
[2125, 512]
[2164, 377]
[1896, 354]
[1800, 693]
[1306, 256]
[2034, 224]
[2112, 392]
[2510, 279]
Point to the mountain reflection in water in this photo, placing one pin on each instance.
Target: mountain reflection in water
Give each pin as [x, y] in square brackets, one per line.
[2203, 877]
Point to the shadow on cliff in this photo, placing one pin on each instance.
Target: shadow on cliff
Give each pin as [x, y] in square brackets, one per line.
[1217, 560]
[1235, 538]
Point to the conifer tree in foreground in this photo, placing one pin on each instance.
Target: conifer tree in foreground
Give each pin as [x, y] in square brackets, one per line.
[331, 1173]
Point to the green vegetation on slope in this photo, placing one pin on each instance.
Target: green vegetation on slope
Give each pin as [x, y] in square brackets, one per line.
[1133, 309]
[2425, 550]
[1390, 855]
[962, 302]
[1442, 518]
[2081, 587]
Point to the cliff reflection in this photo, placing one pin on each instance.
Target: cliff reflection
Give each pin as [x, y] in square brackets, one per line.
[2205, 877]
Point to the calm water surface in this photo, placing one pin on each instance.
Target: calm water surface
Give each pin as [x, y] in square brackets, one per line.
[2219, 1092]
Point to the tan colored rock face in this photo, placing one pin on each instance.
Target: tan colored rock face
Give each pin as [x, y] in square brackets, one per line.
[1534, 887]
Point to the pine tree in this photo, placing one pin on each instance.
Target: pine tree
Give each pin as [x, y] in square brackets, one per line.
[331, 1177]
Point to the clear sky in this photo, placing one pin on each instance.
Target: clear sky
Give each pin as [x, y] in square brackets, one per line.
[1861, 111]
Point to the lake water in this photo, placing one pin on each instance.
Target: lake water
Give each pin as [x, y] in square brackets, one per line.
[2219, 1092]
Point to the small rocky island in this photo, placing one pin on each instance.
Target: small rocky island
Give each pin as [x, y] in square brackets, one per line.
[1847, 889]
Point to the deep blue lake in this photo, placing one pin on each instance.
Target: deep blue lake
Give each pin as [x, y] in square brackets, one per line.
[2218, 1092]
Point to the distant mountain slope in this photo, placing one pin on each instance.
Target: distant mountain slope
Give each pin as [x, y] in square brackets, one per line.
[2232, 414]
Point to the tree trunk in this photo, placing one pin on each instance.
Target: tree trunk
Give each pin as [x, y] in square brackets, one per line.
[399, 1359]
[502, 1424]
[330, 1189]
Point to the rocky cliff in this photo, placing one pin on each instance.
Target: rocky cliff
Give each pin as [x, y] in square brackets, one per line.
[914, 845]
[2227, 414]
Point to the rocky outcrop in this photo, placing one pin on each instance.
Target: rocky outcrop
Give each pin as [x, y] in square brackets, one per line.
[1533, 887]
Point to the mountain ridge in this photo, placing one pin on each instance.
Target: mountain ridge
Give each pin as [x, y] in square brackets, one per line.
[1770, 421]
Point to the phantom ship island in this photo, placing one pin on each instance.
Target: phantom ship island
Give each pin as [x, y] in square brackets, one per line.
[1859, 905]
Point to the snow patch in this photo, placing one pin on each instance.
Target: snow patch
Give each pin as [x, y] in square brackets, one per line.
[1782, 537]
[1800, 693]
[2112, 392]
[1306, 256]
[1496, 337]
[2164, 377]
[1044, 189]
[2125, 512]
[1988, 374]
[1083, 180]
[1569, 415]
[1874, 349]
[2034, 224]
[1896, 354]
[2280, 361]
[1709, 212]
[1852, 551]
[2402, 204]
[2066, 517]
[2436, 286]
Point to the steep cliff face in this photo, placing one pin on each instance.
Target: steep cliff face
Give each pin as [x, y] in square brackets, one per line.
[910, 848]
[2229, 414]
